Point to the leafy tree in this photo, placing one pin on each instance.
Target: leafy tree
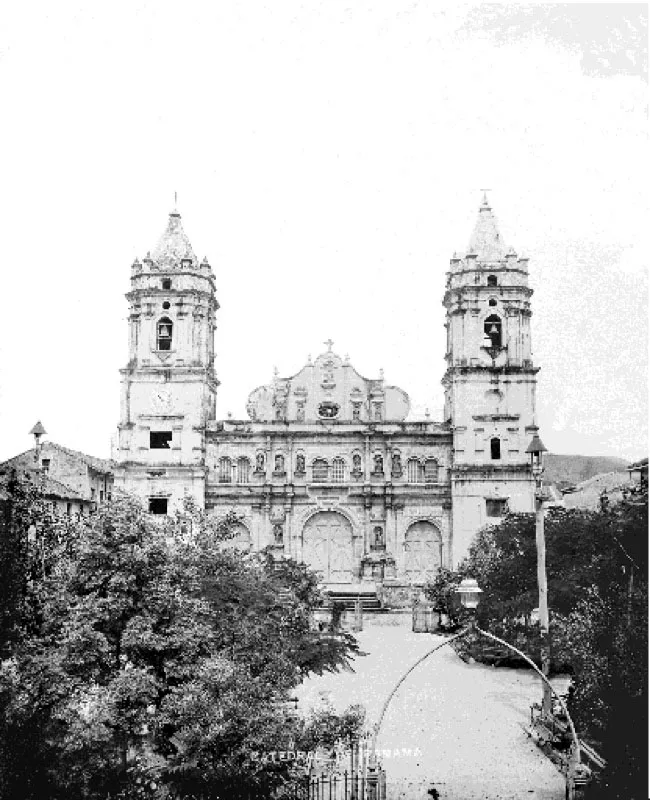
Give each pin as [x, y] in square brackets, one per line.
[157, 655]
[442, 594]
[597, 567]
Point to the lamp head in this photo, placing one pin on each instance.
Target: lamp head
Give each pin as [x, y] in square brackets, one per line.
[536, 450]
[470, 593]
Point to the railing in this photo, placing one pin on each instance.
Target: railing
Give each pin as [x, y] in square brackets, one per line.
[346, 786]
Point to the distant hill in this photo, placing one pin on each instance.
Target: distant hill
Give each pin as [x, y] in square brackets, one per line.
[570, 470]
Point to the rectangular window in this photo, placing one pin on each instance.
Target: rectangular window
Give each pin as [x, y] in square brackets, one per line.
[101, 496]
[45, 464]
[68, 509]
[160, 440]
[496, 508]
[157, 505]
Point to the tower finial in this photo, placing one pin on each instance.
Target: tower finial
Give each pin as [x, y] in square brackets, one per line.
[176, 202]
[486, 202]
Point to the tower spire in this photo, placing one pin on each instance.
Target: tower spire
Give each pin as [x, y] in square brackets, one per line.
[485, 240]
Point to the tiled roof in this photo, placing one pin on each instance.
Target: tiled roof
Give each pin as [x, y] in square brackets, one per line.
[48, 486]
[98, 464]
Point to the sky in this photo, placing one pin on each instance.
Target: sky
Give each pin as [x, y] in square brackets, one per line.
[329, 157]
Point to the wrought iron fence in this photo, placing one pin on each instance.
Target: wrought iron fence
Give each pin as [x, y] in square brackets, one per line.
[347, 786]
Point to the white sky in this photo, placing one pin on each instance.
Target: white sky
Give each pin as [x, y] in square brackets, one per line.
[328, 159]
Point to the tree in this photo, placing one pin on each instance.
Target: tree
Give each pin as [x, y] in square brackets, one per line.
[597, 567]
[159, 653]
[442, 594]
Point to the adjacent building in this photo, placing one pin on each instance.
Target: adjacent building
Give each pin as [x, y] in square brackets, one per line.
[73, 482]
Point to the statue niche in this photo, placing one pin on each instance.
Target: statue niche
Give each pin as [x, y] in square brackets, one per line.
[278, 534]
[356, 464]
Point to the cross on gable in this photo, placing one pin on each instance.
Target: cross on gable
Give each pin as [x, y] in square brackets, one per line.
[329, 344]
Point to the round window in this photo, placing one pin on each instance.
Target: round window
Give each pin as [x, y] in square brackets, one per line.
[328, 410]
[166, 305]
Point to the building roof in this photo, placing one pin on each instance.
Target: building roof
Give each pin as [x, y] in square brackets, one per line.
[101, 465]
[642, 464]
[173, 246]
[485, 240]
[49, 487]
[588, 493]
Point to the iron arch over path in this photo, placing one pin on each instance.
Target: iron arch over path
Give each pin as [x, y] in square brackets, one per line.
[327, 546]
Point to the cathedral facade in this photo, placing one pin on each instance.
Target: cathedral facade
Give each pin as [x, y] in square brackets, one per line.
[328, 468]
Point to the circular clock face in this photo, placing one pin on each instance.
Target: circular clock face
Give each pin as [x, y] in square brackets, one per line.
[161, 399]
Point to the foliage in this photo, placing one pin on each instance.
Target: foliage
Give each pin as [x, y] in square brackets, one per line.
[597, 593]
[442, 594]
[152, 655]
[325, 728]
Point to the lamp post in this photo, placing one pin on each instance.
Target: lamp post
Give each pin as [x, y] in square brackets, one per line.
[536, 449]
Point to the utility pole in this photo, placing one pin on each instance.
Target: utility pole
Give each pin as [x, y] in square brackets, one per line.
[536, 449]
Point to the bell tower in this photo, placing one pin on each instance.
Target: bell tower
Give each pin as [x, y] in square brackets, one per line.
[490, 382]
[168, 387]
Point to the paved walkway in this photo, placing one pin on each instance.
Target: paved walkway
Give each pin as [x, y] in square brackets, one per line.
[462, 723]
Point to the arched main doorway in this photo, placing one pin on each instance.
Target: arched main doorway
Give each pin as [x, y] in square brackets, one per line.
[327, 546]
[422, 552]
[242, 538]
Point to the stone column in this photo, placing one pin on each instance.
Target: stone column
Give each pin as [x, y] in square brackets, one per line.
[287, 528]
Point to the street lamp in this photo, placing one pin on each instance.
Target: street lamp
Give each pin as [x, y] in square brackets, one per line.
[470, 593]
[536, 449]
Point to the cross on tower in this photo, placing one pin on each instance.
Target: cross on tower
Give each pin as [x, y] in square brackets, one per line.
[329, 344]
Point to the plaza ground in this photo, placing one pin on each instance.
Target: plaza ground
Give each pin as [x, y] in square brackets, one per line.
[462, 723]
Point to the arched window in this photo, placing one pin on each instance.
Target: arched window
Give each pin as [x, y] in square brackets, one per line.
[430, 471]
[164, 334]
[414, 471]
[492, 328]
[495, 448]
[492, 280]
[319, 470]
[225, 470]
[243, 470]
[338, 470]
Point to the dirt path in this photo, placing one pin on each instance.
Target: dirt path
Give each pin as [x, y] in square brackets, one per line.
[453, 726]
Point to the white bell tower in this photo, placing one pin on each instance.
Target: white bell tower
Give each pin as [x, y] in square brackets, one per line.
[490, 382]
[168, 387]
